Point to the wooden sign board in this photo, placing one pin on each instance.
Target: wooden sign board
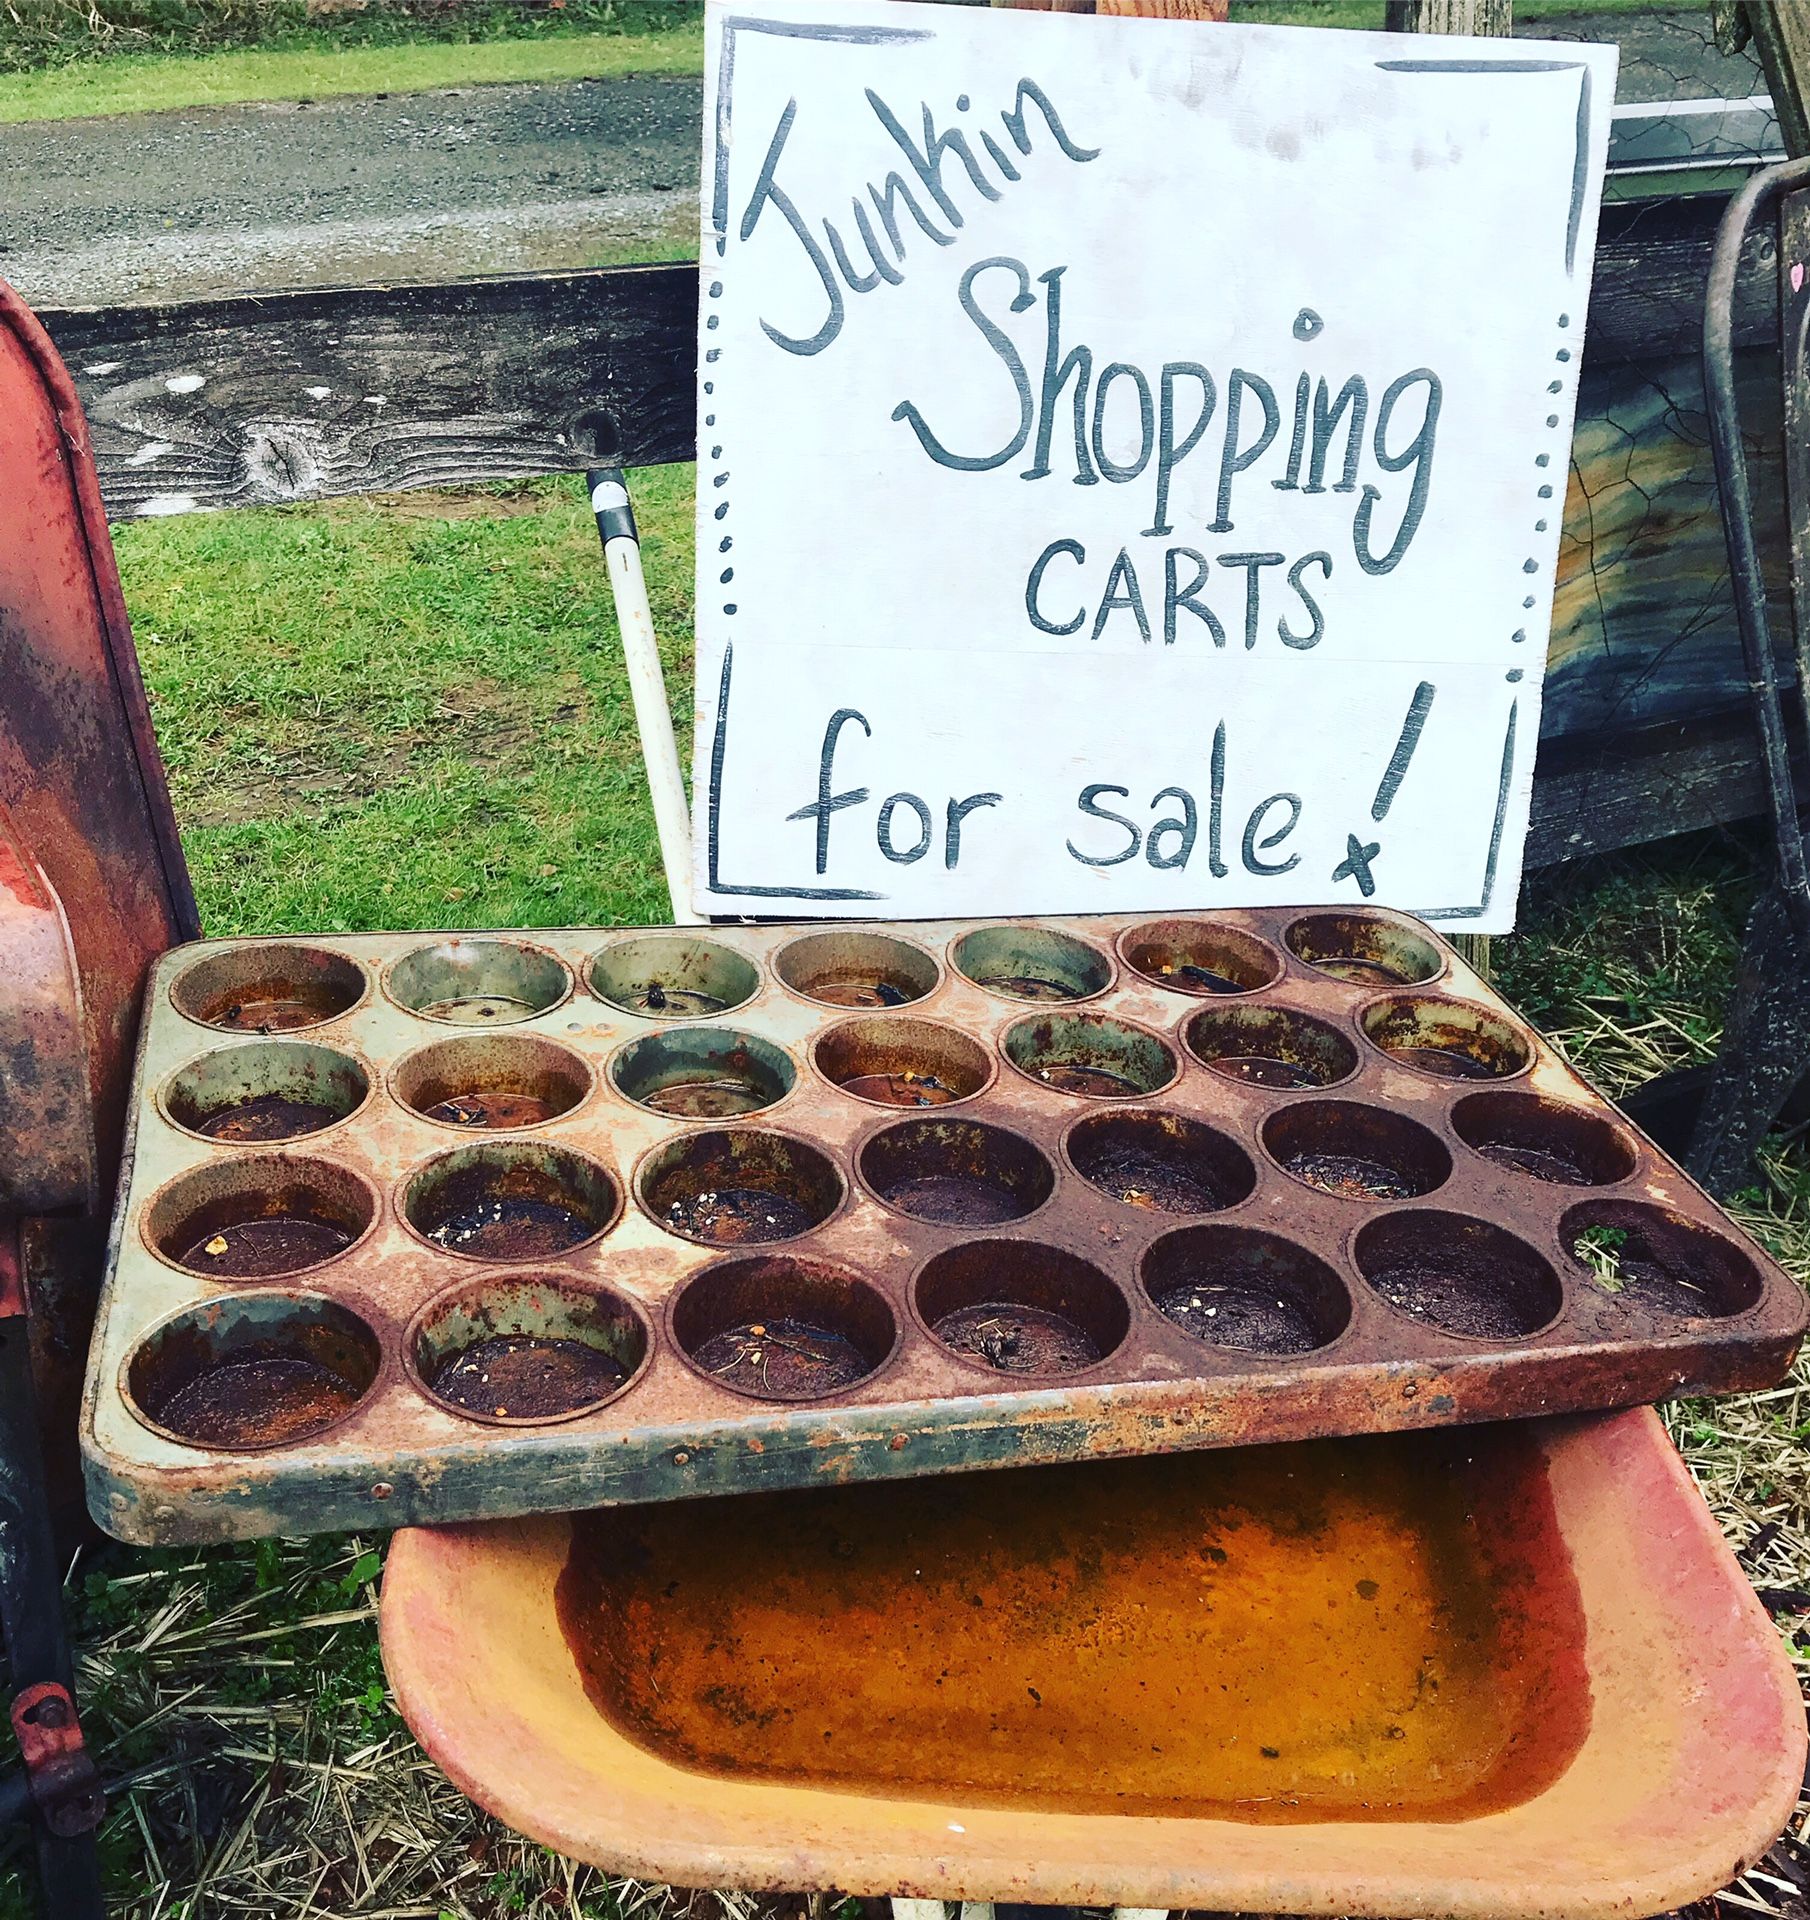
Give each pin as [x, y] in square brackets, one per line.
[1131, 458]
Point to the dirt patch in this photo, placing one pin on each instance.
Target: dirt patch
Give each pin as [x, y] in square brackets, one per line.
[264, 1402]
[1015, 1338]
[783, 1359]
[481, 721]
[440, 503]
[516, 1377]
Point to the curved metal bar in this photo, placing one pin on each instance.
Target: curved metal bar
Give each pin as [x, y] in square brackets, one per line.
[1760, 195]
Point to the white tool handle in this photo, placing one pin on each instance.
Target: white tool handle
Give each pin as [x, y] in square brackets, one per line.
[647, 685]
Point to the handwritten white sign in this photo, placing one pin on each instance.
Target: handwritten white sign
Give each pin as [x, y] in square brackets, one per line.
[1131, 458]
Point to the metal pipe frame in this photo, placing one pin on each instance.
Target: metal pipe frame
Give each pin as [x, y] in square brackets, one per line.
[31, 1608]
[1760, 196]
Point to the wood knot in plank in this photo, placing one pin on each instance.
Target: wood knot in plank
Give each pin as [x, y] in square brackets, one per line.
[284, 461]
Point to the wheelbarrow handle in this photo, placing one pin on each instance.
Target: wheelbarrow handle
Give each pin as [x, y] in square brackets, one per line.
[1760, 196]
[608, 488]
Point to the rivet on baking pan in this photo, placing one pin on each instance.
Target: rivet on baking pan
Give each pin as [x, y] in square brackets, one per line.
[681, 1459]
[899, 1442]
[382, 1490]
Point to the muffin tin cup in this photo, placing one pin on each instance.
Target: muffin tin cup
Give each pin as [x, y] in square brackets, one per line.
[242, 1217]
[1356, 1150]
[738, 1186]
[492, 1082]
[1245, 1290]
[1504, 1244]
[1366, 950]
[1159, 1161]
[478, 980]
[1204, 957]
[1271, 1046]
[783, 1328]
[1447, 1039]
[893, 1060]
[1546, 1139]
[526, 1350]
[703, 1073]
[955, 1172]
[1021, 1309]
[1040, 964]
[856, 967]
[1469, 1278]
[1090, 1055]
[509, 1200]
[250, 1372]
[265, 1092]
[268, 986]
[1657, 1262]
[673, 976]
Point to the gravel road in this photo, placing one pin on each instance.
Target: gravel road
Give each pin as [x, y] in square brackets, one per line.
[411, 186]
[475, 180]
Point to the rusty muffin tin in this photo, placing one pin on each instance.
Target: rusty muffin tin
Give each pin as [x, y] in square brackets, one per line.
[425, 1228]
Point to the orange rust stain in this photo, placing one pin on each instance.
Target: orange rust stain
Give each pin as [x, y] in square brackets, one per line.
[1359, 1630]
[18, 877]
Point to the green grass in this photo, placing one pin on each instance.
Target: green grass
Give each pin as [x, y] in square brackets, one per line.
[376, 717]
[1627, 961]
[161, 82]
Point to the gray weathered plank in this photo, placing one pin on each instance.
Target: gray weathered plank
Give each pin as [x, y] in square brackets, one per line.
[291, 396]
[298, 396]
[1646, 293]
[1602, 792]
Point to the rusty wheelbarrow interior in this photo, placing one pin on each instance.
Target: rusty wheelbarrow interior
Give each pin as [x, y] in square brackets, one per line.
[1499, 1671]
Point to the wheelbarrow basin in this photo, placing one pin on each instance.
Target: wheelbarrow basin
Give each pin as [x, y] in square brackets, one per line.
[1500, 1671]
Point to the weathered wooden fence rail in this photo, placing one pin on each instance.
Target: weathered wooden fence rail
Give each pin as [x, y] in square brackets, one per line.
[300, 396]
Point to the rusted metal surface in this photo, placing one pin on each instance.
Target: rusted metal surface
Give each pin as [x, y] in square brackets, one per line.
[47, 1159]
[1307, 1175]
[65, 1788]
[1500, 1674]
[80, 773]
[696, 1630]
[13, 1305]
[61, 1791]
[94, 876]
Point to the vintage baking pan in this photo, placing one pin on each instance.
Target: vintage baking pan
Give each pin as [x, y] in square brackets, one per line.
[422, 1228]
